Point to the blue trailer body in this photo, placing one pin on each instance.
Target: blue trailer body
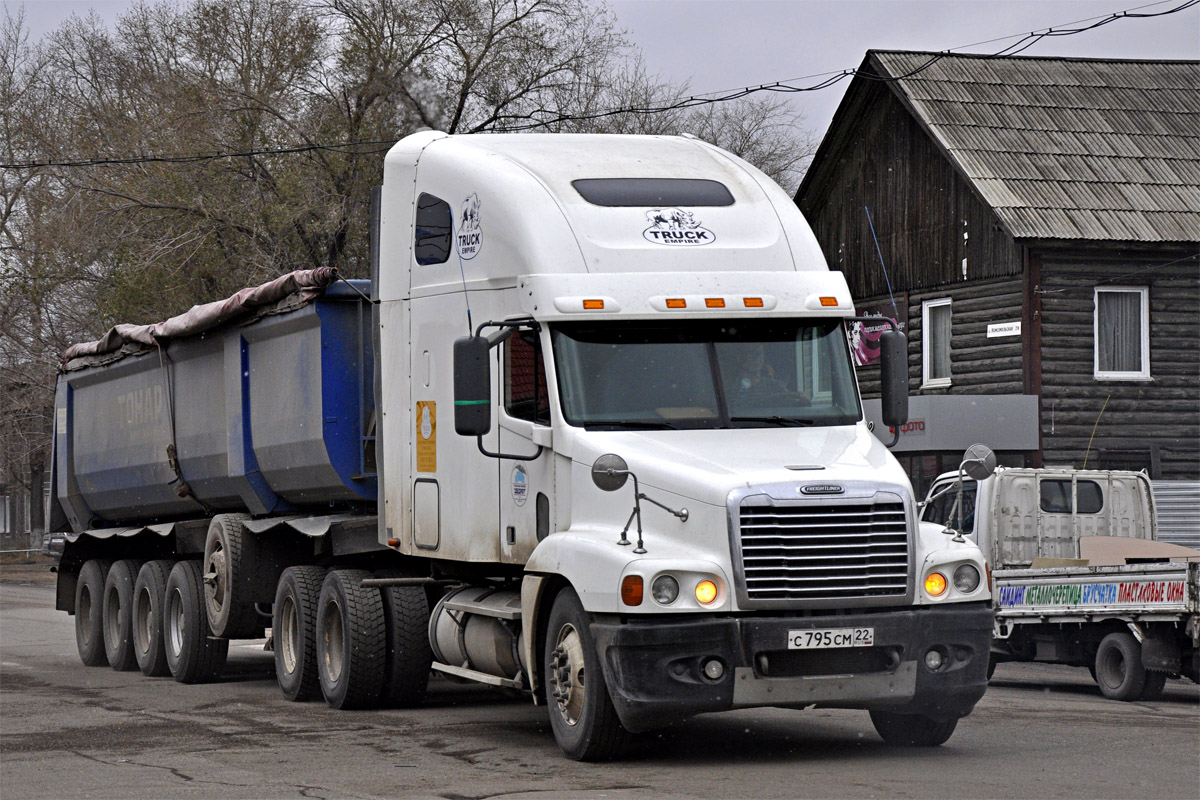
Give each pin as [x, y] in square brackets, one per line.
[268, 417]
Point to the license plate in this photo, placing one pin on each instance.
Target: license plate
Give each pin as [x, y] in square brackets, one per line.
[831, 637]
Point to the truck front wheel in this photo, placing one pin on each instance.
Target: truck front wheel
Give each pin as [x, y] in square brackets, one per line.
[912, 730]
[192, 655]
[582, 716]
[118, 614]
[294, 626]
[1119, 670]
[89, 612]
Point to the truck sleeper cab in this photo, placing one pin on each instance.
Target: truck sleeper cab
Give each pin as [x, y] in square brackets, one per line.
[657, 470]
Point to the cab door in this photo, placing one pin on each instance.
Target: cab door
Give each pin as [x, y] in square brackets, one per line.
[526, 484]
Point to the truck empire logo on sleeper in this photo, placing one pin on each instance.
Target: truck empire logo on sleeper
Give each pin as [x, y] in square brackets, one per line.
[470, 235]
[674, 226]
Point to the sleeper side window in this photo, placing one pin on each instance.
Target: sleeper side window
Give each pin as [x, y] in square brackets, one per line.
[434, 227]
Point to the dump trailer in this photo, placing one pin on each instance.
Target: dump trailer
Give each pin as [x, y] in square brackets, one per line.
[1078, 575]
[590, 433]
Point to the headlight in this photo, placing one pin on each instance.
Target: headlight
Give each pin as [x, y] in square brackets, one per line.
[966, 578]
[665, 590]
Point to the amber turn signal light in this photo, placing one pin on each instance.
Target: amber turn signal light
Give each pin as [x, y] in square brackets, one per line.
[935, 584]
[706, 592]
[632, 589]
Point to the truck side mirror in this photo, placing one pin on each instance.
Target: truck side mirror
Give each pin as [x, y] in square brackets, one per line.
[979, 462]
[893, 374]
[610, 472]
[472, 386]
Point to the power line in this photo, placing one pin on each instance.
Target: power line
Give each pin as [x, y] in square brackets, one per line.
[542, 118]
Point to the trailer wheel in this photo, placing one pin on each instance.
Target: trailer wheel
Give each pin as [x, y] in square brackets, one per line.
[1119, 670]
[1152, 689]
[294, 628]
[193, 656]
[582, 716]
[228, 564]
[351, 640]
[912, 730]
[149, 593]
[89, 612]
[118, 614]
[406, 616]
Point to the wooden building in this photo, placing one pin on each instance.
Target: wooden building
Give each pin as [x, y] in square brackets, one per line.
[1039, 221]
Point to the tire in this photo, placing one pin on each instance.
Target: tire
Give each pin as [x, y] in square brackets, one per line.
[991, 667]
[912, 730]
[89, 612]
[1152, 689]
[294, 628]
[193, 656]
[229, 561]
[406, 670]
[118, 614]
[582, 716]
[351, 640]
[149, 594]
[1119, 670]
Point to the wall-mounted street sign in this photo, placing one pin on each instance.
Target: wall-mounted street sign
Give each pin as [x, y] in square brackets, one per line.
[997, 329]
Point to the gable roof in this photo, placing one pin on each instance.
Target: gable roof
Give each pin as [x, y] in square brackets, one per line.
[1061, 148]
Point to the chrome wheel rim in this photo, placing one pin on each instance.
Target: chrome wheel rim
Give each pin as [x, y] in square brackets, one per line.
[568, 674]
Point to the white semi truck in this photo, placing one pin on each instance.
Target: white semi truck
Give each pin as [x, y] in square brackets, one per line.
[591, 433]
[1077, 576]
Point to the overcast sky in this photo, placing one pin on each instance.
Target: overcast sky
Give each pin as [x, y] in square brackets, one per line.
[724, 44]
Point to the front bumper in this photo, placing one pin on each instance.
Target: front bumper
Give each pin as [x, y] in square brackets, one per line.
[654, 669]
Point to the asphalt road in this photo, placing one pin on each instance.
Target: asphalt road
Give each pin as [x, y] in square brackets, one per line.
[69, 731]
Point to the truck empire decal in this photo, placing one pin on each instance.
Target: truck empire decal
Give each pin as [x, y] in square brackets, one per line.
[470, 235]
[674, 226]
[1077, 594]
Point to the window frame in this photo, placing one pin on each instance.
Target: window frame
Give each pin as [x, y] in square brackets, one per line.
[926, 355]
[1144, 330]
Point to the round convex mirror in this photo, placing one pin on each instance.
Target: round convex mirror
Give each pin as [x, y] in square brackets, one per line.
[979, 462]
[610, 472]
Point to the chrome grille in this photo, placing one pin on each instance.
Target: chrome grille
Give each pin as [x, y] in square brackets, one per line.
[824, 551]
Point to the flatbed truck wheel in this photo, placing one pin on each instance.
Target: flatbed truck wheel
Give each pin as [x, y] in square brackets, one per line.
[294, 628]
[193, 655]
[149, 595]
[582, 716]
[229, 561]
[351, 640]
[118, 614]
[89, 612]
[912, 730]
[1119, 670]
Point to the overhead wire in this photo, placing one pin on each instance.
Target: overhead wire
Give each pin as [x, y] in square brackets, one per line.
[542, 118]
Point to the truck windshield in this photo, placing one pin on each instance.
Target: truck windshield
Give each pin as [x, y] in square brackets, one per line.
[705, 374]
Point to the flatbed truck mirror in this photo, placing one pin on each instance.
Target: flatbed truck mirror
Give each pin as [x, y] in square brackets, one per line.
[472, 386]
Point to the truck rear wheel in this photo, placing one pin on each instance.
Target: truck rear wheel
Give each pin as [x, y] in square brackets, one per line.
[228, 563]
[351, 640]
[149, 594]
[294, 628]
[409, 656]
[912, 730]
[582, 716]
[192, 655]
[118, 614]
[89, 612]
[1119, 670]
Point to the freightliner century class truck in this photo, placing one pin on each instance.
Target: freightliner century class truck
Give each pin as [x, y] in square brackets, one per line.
[592, 433]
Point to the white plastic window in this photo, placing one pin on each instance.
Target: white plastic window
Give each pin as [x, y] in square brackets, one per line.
[935, 343]
[1122, 333]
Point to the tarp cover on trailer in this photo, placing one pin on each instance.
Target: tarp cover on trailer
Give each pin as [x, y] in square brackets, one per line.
[283, 293]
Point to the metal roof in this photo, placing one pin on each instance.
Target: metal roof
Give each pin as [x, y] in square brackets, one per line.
[1065, 148]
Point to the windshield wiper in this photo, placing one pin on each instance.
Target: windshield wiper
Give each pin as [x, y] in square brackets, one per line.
[639, 424]
[783, 422]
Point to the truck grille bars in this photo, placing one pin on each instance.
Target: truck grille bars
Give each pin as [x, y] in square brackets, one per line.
[793, 554]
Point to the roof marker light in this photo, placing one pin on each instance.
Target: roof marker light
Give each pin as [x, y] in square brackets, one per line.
[752, 302]
[829, 301]
[593, 305]
[714, 302]
[676, 302]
